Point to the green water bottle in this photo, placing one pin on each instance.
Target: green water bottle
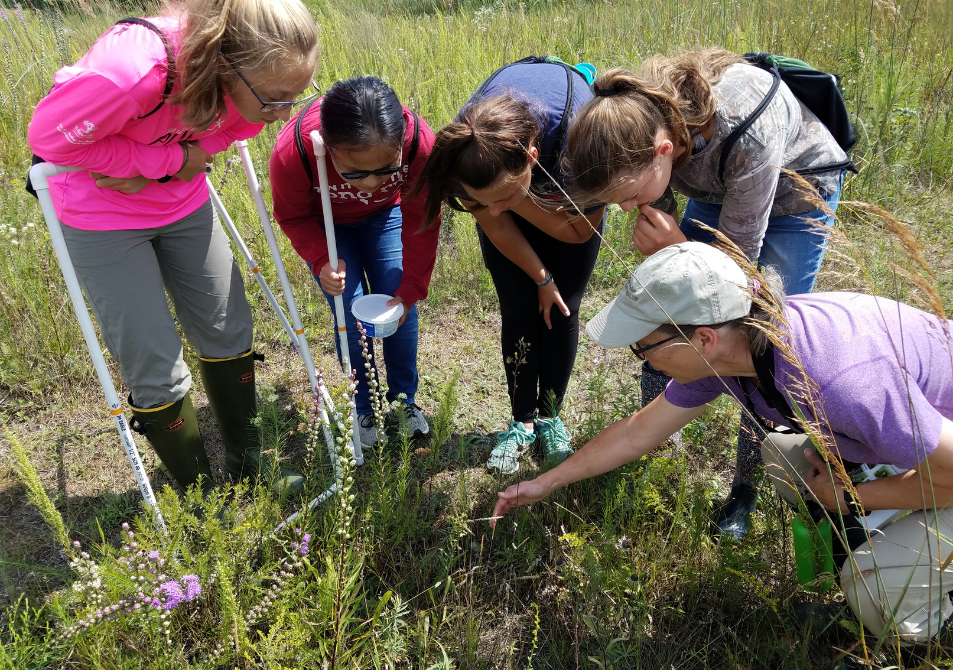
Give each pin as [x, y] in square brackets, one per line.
[813, 561]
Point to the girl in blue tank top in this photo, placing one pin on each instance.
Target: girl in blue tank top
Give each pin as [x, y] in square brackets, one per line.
[499, 160]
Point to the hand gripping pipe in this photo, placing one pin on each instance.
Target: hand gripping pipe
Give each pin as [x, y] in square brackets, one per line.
[319, 153]
[39, 175]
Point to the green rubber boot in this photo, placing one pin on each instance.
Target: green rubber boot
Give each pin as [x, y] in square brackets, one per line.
[230, 386]
[173, 432]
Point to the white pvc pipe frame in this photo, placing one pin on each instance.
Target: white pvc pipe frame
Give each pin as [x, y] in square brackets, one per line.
[39, 177]
[319, 153]
[297, 332]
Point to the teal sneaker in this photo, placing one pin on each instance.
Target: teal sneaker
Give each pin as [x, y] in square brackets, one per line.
[555, 439]
[510, 445]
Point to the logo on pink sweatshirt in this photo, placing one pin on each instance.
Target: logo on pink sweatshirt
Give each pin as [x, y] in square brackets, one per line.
[79, 135]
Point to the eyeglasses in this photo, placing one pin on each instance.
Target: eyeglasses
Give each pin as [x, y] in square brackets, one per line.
[640, 353]
[272, 107]
[363, 174]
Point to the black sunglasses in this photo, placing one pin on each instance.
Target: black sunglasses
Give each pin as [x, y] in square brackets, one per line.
[640, 353]
[272, 107]
[363, 174]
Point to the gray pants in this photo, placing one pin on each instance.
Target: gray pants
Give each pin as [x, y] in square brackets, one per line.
[125, 275]
[896, 583]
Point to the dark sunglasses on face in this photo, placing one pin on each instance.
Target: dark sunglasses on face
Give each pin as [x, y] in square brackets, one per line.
[363, 174]
[273, 107]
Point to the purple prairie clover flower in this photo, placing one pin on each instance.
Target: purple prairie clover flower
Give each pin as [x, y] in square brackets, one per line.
[154, 554]
[3, 15]
[173, 594]
[193, 589]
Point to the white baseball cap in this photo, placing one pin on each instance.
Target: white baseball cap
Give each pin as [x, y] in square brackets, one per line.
[688, 284]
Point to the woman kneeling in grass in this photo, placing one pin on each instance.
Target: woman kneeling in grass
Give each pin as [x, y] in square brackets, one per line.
[499, 160]
[873, 376]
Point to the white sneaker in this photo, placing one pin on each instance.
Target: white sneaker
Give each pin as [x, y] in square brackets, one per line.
[416, 423]
[368, 430]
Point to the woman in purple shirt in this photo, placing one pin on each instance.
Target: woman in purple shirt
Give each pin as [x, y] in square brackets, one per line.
[880, 377]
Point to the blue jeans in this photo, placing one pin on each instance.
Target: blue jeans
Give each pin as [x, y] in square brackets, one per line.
[373, 254]
[791, 243]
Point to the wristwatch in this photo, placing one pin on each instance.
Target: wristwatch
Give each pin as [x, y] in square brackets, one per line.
[185, 160]
[549, 278]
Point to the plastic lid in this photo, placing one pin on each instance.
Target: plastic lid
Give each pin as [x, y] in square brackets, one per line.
[373, 308]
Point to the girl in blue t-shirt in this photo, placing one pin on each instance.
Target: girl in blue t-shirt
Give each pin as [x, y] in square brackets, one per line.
[499, 160]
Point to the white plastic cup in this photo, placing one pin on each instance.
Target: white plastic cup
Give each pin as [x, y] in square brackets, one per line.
[378, 318]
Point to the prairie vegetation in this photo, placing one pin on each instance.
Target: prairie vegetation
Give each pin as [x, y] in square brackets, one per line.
[616, 572]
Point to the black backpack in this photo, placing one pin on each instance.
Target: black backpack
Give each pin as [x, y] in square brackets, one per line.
[303, 153]
[169, 82]
[819, 91]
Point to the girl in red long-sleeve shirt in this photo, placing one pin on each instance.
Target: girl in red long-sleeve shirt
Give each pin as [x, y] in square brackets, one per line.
[376, 149]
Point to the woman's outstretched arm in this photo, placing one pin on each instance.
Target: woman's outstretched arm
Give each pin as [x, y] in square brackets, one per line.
[622, 442]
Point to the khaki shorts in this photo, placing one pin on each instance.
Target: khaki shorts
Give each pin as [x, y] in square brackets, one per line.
[897, 583]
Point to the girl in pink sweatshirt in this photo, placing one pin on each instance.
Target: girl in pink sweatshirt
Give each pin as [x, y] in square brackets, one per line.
[142, 113]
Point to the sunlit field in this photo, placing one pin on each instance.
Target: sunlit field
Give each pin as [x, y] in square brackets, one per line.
[401, 569]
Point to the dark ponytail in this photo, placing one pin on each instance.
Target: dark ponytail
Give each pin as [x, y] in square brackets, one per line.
[362, 112]
[489, 139]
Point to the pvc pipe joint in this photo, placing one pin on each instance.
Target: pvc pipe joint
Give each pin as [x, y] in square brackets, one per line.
[318, 142]
[41, 172]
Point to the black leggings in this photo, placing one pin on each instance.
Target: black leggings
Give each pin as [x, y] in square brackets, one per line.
[538, 361]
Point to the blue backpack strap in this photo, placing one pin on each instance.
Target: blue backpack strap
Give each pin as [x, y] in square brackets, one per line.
[563, 126]
[170, 57]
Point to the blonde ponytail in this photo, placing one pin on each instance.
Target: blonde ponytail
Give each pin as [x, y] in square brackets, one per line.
[270, 35]
[616, 131]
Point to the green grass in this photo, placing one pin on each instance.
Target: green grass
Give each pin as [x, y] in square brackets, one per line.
[614, 572]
